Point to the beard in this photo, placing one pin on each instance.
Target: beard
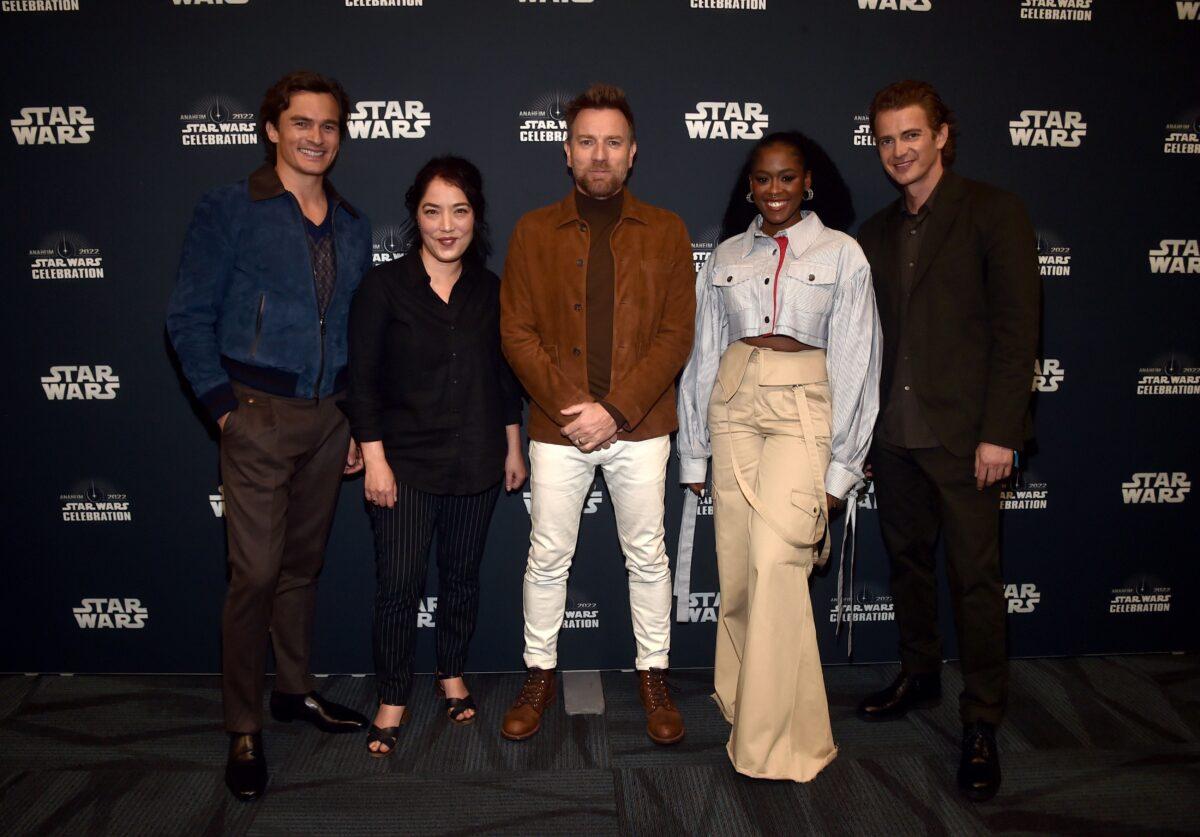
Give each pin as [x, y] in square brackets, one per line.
[600, 187]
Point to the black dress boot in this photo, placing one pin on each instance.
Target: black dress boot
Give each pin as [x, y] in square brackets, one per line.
[325, 715]
[979, 769]
[908, 691]
[246, 769]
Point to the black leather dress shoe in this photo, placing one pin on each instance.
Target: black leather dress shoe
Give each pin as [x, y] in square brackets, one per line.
[979, 770]
[908, 691]
[325, 715]
[246, 769]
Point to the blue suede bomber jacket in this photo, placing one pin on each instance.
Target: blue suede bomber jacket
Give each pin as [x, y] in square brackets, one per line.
[245, 306]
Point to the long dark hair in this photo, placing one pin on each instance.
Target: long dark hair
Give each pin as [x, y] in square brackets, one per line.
[459, 172]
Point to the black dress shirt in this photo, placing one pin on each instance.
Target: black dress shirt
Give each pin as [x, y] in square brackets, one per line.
[901, 422]
[428, 379]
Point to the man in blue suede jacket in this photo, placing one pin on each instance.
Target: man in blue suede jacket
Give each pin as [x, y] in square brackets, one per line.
[258, 318]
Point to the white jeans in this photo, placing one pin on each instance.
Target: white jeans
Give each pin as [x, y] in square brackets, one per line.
[560, 477]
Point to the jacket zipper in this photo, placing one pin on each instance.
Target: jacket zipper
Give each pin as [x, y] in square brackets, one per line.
[258, 320]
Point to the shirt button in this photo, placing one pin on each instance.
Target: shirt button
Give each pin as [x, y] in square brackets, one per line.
[767, 281]
[812, 277]
[455, 381]
[907, 389]
[773, 252]
[728, 278]
[578, 307]
[576, 351]
[912, 264]
[766, 319]
[579, 262]
[912, 232]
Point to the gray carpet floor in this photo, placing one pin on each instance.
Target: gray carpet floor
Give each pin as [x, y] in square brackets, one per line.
[1096, 745]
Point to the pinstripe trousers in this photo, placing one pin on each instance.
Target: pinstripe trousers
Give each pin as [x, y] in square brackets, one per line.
[402, 537]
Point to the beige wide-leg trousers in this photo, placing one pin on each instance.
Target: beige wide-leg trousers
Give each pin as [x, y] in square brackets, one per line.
[769, 420]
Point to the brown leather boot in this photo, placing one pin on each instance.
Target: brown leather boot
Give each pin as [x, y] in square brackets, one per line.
[664, 724]
[524, 718]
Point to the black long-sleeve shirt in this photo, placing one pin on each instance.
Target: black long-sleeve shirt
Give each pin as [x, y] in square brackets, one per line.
[428, 379]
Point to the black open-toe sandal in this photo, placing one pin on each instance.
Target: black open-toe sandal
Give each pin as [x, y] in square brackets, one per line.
[387, 736]
[457, 707]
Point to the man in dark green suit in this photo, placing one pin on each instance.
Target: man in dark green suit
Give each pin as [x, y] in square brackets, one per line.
[956, 279]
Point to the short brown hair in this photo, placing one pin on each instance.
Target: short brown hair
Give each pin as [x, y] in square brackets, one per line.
[279, 96]
[902, 94]
[600, 97]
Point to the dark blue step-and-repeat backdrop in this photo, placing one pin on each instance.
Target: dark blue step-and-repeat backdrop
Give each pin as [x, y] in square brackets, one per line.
[121, 113]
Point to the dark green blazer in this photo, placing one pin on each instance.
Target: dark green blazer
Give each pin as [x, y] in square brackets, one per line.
[973, 314]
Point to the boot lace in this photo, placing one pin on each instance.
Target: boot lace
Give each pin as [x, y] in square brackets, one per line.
[658, 695]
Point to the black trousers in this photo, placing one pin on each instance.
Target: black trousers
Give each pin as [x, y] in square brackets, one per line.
[281, 470]
[402, 537]
[919, 493]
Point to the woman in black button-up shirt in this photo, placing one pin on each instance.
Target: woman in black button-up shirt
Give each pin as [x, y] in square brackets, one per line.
[437, 413]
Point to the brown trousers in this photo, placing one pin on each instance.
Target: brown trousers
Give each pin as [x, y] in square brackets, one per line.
[923, 492]
[281, 466]
[769, 419]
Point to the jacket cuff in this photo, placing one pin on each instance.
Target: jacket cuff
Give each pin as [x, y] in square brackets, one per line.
[219, 400]
[839, 480]
[693, 469]
[616, 415]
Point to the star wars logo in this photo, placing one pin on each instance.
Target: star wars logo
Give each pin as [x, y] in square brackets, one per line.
[40, 6]
[65, 256]
[1079, 11]
[53, 125]
[731, 5]
[726, 120]
[863, 606]
[1182, 137]
[1023, 493]
[426, 610]
[217, 121]
[1054, 259]
[390, 242]
[1141, 596]
[1188, 9]
[81, 383]
[1048, 373]
[1156, 487]
[544, 120]
[580, 615]
[1172, 376]
[703, 607]
[376, 4]
[388, 119]
[95, 614]
[703, 248]
[93, 503]
[216, 502]
[591, 505]
[862, 136]
[1048, 129]
[1022, 598]
[1175, 255]
[895, 5]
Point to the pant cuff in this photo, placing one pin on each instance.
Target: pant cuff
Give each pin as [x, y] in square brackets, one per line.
[647, 663]
[544, 663]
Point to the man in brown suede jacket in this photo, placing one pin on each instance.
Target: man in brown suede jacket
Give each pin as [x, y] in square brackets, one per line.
[597, 308]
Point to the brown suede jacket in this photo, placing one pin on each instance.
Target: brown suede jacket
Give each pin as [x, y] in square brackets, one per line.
[543, 322]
